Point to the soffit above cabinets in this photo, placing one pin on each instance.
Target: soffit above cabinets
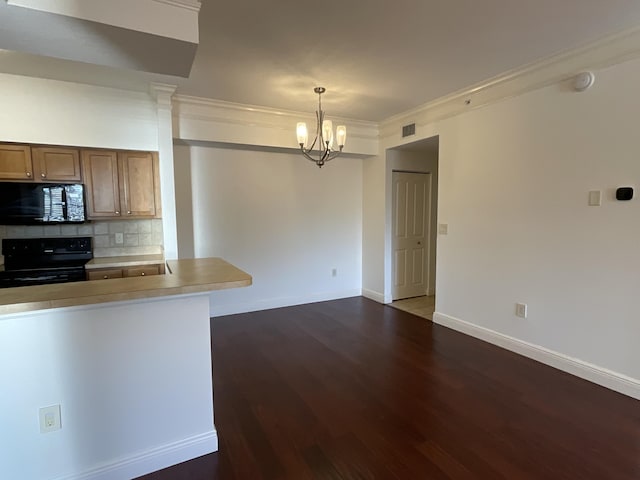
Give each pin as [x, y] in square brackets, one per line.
[156, 36]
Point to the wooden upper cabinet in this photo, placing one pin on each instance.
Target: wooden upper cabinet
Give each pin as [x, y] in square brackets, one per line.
[121, 184]
[139, 181]
[100, 169]
[15, 162]
[53, 164]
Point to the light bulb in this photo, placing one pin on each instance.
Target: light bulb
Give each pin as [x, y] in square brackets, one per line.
[341, 135]
[301, 131]
[327, 133]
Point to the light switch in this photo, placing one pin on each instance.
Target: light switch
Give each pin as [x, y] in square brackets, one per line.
[595, 198]
[443, 228]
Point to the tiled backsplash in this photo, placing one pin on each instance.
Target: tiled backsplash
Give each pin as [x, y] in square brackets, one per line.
[139, 237]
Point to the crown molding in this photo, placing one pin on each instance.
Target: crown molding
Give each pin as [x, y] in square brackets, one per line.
[193, 5]
[162, 93]
[561, 67]
[212, 105]
[199, 119]
[605, 52]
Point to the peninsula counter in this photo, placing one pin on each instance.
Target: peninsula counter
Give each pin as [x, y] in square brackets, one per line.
[127, 360]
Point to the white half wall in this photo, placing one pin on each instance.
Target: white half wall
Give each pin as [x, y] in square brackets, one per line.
[133, 381]
[275, 215]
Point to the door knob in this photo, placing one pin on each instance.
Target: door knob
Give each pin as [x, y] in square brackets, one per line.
[42, 175]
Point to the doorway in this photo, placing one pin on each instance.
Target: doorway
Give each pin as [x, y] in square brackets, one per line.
[413, 169]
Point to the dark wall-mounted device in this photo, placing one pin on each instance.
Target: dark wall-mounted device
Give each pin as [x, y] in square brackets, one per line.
[624, 193]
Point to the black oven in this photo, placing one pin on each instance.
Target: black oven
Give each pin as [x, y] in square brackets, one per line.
[37, 261]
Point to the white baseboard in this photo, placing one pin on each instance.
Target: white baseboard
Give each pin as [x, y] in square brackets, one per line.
[151, 460]
[373, 295]
[593, 373]
[218, 310]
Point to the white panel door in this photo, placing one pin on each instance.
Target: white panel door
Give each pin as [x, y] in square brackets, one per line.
[411, 207]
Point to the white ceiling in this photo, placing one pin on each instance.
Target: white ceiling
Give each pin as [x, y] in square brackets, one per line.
[376, 58]
[381, 57]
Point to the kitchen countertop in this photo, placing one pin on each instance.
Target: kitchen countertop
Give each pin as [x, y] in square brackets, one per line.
[182, 277]
[124, 261]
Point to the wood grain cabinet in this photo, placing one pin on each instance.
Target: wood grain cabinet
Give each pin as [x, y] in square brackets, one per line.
[121, 184]
[39, 164]
[142, 271]
[104, 273]
[138, 271]
[54, 164]
[15, 162]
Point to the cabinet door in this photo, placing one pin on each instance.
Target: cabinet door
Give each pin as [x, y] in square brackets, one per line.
[15, 162]
[139, 184]
[52, 164]
[100, 169]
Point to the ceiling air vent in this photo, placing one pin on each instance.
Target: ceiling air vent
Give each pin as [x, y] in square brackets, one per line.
[409, 130]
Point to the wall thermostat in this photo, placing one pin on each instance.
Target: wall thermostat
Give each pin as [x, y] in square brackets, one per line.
[624, 193]
[583, 80]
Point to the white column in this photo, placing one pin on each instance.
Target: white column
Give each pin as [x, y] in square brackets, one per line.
[163, 94]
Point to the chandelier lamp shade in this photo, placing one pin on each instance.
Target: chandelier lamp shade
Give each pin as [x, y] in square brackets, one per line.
[322, 149]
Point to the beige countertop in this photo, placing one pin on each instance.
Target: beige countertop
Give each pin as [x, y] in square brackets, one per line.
[182, 277]
[125, 261]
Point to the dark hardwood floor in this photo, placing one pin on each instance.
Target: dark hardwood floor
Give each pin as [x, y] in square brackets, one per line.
[351, 389]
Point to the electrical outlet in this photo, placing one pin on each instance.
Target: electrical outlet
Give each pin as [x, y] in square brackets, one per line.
[443, 228]
[521, 310]
[119, 238]
[50, 419]
[334, 272]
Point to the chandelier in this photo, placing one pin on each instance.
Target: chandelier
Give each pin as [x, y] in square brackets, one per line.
[324, 140]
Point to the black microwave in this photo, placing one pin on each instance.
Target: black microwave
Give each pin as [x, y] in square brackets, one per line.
[41, 203]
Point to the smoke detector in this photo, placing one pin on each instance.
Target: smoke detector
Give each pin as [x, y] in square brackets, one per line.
[583, 81]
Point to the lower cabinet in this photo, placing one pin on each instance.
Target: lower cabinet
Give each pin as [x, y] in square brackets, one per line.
[139, 271]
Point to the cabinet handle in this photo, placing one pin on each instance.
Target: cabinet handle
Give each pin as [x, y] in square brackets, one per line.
[129, 212]
[43, 175]
[142, 274]
[117, 212]
[28, 174]
[105, 277]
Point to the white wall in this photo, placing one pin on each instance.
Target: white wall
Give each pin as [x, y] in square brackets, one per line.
[278, 217]
[514, 182]
[373, 228]
[36, 110]
[133, 381]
